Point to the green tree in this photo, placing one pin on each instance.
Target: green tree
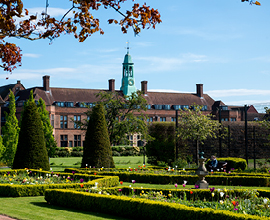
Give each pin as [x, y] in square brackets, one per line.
[47, 128]
[124, 115]
[162, 147]
[10, 132]
[31, 151]
[79, 20]
[194, 125]
[97, 150]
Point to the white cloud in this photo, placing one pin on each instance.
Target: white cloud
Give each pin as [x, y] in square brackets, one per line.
[53, 12]
[160, 64]
[166, 90]
[237, 92]
[31, 55]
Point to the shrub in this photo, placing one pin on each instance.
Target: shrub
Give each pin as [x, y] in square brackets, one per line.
[97, 149]
[162, 148]
[31, 150]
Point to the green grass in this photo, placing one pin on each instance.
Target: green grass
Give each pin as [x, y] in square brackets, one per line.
[36, 208]
[59, 164]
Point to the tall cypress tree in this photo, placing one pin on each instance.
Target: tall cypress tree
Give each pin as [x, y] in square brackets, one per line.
[10, 132]
[31, 151]
[97, 149]
[47, 128]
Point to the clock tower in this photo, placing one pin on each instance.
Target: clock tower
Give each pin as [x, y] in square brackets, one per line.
[128, 81]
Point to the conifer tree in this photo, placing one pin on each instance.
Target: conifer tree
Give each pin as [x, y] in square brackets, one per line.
[10, 132]
[31, 151]
[97, 150]
[47, 128]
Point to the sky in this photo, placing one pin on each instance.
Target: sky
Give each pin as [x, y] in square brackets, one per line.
[223, 45]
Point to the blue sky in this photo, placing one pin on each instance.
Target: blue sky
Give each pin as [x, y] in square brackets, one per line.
[221, 44]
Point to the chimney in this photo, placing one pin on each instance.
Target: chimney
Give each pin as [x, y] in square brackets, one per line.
[46, 83]
[144, 87]
[199, 90]
[112, 85]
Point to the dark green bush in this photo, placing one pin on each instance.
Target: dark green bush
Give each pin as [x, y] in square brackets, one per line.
[31, 150]
[97, 150]
[162, 148]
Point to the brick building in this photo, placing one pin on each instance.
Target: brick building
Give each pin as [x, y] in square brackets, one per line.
[65, 104]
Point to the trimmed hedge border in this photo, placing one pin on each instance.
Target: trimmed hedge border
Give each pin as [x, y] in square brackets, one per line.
[136, 208]
[14, 190]
[179, 179]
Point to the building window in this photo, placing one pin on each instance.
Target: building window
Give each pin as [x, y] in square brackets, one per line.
[173, 118]
[63, 121]
[158, 107]
[52, 120]
[204, 108]
[184, 107]
[70, 143]
[77, 118]
[233, 119]
[224, 107]
[162, 118]
[138, 137]
[131, 143]
[176, 107]
[77, 141]
[149, 106]
[166, 107]
[63, 141]
[88, 118]
[64, 104]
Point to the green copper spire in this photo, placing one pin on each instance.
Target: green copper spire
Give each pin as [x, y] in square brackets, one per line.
[128, 81]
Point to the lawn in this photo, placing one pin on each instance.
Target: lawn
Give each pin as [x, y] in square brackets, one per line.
[59, 164]
[36, 208]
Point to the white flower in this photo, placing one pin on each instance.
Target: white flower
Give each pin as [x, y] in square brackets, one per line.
[176, 166]
[217, 169]
[221, 201]
[129, 185]
[141, 187]
[96, 184]
[222, 194]
[99, 192]
[265, 201]
[218, 190]
[184, 169]
[185, 182]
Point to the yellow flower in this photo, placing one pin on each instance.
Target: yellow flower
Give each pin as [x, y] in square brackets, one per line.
[14, 175]
[142, 192]
[213, 194]
[161, 192]
[225, 190]
[169, 195]
[5, 175]
[10, 179]
[40, 169]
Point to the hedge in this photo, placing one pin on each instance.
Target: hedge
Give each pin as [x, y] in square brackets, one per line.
[179, 179]
[14, 190]
[136, 208]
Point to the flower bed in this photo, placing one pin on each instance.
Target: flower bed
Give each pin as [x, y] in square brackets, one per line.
[149, 177]
[140, 207]
[35, 182]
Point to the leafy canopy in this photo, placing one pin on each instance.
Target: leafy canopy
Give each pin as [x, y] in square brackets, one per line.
[16, 22]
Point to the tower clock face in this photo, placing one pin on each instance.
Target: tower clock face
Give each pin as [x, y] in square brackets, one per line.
[131, 82]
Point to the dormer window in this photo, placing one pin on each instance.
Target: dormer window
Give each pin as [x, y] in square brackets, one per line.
[166, 107]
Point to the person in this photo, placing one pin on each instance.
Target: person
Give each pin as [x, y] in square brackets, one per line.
[212, 163]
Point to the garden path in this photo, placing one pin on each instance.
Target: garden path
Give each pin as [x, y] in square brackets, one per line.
[4, 217]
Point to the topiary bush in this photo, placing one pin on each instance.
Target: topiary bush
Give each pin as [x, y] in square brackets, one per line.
[97, 150]
[31, 150]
